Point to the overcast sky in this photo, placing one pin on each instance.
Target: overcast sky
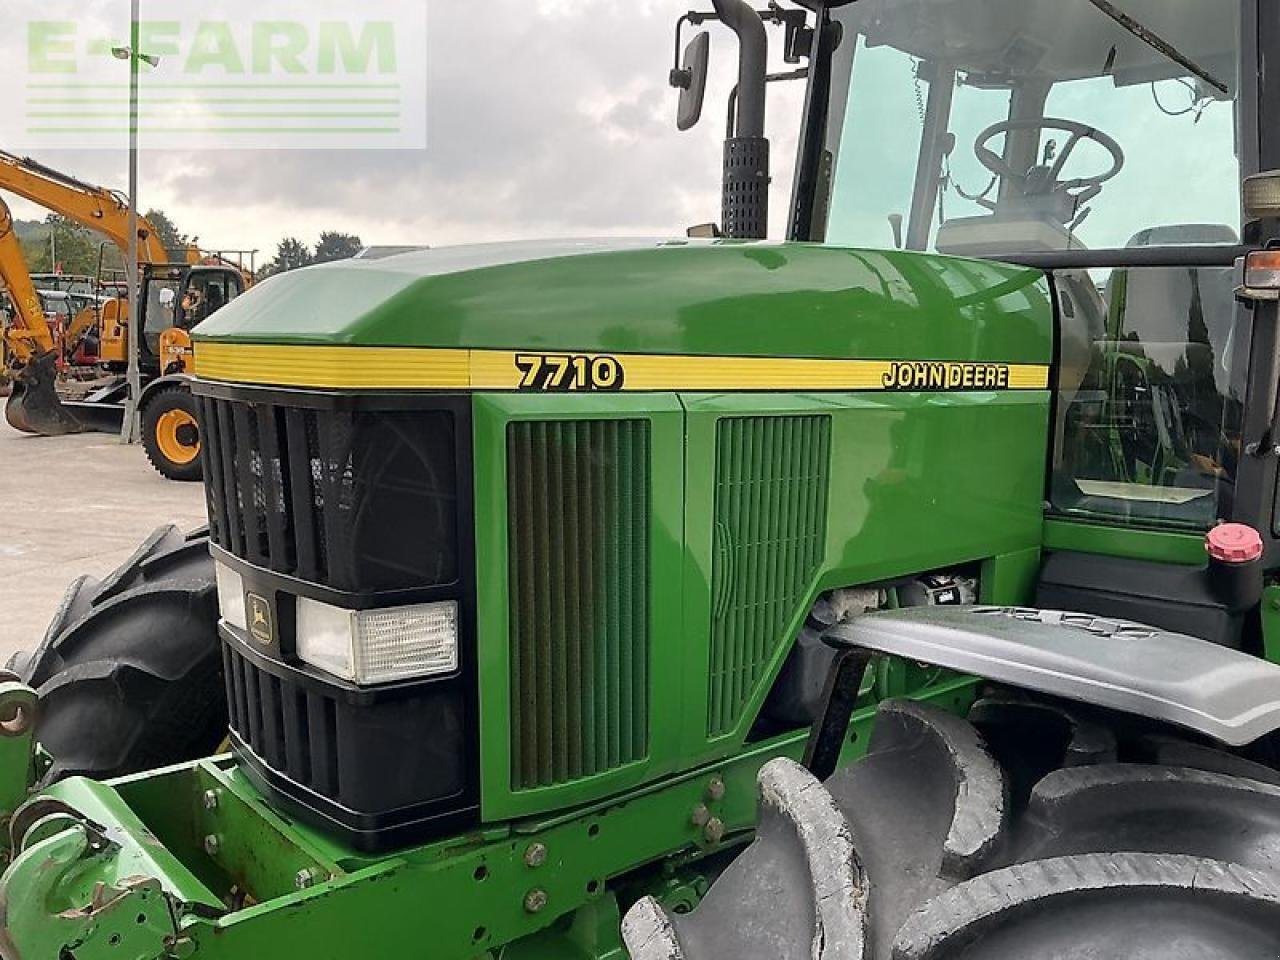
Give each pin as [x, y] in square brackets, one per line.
[545, 118]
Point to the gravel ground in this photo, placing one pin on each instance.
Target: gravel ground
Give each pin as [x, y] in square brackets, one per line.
[73, 505]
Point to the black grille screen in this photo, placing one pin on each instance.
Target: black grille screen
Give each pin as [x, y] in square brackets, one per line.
[357, 500]
[403, 753]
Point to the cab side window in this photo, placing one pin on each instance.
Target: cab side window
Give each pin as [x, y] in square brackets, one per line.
[206, 294]
[1150, 409]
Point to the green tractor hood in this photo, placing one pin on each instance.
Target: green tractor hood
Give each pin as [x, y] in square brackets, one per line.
[634, 297]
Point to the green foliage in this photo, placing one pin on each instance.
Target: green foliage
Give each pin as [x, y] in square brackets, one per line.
[292, 253]
[336, 246]
[173, 239]
[65, 247]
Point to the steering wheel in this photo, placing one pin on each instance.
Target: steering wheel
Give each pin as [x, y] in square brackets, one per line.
[1039, 180]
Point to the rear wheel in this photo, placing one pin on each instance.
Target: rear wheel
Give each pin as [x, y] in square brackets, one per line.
[130, 671]
[1024, 831]
[171, 433]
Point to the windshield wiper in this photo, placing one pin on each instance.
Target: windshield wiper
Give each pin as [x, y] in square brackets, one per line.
[1159, 44]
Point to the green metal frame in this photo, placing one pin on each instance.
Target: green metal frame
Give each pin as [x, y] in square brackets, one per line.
[168, 849]
[1135, 543]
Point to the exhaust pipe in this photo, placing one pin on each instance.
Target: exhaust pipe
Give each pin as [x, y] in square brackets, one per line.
[33, 406]
[745, 204]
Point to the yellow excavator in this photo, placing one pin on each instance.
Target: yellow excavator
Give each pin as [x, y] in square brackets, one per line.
[28, 335]
[178, 290]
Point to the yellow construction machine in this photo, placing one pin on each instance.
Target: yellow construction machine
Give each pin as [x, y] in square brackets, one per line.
[178, 289]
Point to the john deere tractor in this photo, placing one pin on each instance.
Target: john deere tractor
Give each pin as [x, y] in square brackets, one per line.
[547, 572]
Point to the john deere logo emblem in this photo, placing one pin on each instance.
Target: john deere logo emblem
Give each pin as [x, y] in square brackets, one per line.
[260, 619]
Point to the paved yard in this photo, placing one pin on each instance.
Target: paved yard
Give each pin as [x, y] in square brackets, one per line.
[73, 505]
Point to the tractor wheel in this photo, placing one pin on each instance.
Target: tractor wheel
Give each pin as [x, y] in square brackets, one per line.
[1024, 831]
[171, 433]
[130, 671]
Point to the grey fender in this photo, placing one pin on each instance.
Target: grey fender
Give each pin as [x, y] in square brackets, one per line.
[1224, 694]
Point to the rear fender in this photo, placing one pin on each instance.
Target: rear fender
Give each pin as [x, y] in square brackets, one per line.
[1129, 667]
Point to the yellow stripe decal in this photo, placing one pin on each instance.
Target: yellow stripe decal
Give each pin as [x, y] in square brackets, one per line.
[429, 368]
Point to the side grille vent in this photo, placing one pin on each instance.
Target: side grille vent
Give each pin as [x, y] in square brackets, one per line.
[770, 525]
[578, 524]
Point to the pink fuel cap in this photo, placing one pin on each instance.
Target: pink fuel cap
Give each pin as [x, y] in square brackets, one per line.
[1233, 543]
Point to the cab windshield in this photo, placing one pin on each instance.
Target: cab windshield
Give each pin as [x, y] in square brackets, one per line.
[1023, 128]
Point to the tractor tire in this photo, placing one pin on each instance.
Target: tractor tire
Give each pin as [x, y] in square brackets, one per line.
[130, 671]
[171, 433]
[1028, 830]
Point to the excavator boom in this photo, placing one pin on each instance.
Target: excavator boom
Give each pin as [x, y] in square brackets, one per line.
[29, 335]
[97, 208]
[33, 406]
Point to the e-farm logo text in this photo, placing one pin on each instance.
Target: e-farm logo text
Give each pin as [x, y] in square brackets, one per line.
[264, 74]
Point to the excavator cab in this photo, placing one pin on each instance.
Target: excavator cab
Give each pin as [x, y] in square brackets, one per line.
[175, 299]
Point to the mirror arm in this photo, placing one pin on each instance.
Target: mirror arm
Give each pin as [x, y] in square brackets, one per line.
[680, 78]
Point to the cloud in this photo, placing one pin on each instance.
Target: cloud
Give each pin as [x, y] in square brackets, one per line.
[551, 118]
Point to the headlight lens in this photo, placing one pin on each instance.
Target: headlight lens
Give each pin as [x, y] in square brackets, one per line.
[230, 595]
[378, 646]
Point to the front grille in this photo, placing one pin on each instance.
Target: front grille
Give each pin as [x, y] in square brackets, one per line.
[770, 525]
[276, 719]
[405, 753]
[356, 500]
[578, 528]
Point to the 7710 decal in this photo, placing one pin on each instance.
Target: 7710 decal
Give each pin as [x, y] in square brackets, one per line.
[567, 372]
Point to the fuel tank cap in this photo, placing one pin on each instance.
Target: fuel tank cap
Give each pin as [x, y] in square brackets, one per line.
[1233, 543]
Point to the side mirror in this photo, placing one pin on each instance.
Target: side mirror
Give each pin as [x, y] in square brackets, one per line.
[691, 81]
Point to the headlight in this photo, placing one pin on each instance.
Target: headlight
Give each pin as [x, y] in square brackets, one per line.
[230, 595]
[377, 646]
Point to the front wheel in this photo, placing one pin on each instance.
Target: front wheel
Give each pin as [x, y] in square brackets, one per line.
[1031, 829]
[171, 433]
[130, 671]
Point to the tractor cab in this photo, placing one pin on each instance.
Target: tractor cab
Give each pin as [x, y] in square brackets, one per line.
[1106, 144]
[1021, 127]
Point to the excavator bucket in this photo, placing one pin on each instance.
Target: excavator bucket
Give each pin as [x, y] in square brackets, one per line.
[34, 406]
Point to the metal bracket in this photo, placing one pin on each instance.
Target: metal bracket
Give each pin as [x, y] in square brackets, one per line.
[18, 709]
[48, 914]
[826, 738]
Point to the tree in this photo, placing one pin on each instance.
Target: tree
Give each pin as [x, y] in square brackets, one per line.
[173, 239]
[334, 245]
[67, 247]
[291, 253]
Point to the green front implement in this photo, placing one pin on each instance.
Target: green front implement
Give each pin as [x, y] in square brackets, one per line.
[191, 861]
